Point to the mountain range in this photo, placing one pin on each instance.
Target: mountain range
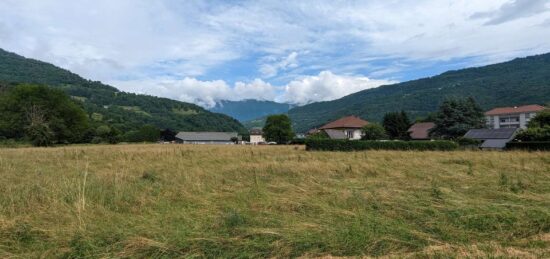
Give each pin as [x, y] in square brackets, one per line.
[125, 111]
[517, 82]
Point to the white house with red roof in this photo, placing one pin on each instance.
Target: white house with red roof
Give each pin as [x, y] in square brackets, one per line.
[345, 128]
[512, 117]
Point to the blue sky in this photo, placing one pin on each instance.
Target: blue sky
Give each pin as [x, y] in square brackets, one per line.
[288, 51]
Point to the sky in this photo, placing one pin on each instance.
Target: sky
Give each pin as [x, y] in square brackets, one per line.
[287, 51]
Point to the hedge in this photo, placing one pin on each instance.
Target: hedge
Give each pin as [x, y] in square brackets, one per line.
[529, 145]
[356, 145]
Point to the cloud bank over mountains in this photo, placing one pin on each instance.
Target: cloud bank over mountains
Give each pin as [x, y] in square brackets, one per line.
[292, 51]
[323, 87]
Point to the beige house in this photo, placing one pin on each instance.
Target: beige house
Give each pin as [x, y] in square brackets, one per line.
[511, 117]
[256, 136]
[345, 128]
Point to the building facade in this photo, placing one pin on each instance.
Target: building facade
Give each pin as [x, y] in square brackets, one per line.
[511, 117]
[345, 128]
[256, 136]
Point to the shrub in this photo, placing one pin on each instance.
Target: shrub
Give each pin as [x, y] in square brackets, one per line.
[534, 134]
[374, 131]
[529, 145]
[462, 141]
[298, 141]
[348, 145]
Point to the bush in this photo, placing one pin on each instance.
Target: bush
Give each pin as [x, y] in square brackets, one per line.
[298, 141]
[534, 134]
[529, 145]
[349, 145]
[462, 141]
[374, 131]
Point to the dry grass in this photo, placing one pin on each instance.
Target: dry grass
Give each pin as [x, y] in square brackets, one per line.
[232, 201]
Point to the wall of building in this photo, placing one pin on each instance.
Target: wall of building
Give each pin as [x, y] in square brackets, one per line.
[255, 139]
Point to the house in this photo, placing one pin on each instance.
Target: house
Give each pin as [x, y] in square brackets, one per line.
[206, 137]
[256, 136]
[492, 138]
[421, 130]
[345, 128]
[512, 117]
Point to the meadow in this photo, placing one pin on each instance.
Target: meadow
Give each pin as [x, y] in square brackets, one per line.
[170, 201]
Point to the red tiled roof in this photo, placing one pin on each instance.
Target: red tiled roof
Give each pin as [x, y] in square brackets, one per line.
[346, 122]
[421, 130]
[520, 109]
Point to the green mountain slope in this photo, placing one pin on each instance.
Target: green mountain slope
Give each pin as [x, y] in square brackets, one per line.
[126, 111]
[250, 109]
[517, 82]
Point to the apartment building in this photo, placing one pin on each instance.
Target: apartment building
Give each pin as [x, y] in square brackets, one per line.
[512, 117]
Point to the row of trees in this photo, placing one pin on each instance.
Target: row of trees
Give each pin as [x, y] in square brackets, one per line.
[453, 119]
[46, 116]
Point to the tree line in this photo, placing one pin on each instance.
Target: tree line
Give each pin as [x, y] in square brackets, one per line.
[45, 116]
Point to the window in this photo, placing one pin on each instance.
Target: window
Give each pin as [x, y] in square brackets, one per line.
[349, 133]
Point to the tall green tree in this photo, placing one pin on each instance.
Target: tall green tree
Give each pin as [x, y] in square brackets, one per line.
[278, 128]
[397, 125]
[41, 114]
[456, 116]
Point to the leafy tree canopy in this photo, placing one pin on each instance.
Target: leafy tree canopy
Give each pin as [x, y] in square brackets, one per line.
[374, 131]
[542, 119]
[456, 116]
[41, 114]
[278, 129]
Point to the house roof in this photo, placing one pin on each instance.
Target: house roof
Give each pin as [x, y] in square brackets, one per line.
[516, 109]
[421, 130]
[206, 136]
[336, 134]
[484, 134]
[346, 122]
[256, 131]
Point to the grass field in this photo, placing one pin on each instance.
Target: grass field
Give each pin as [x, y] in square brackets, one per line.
[270, 201]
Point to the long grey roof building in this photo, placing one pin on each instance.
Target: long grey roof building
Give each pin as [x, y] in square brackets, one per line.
[206, 137]
[492, 138]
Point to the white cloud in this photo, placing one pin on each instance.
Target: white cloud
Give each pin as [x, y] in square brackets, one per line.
[139, 41]
[324, 87]
[273, 66]
[327, 86]
[203, 93]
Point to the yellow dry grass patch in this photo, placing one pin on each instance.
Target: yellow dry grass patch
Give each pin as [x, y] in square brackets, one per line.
[271, 201]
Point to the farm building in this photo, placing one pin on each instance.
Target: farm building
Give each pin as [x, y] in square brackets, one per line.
[492, 138]
[226, 138]
[421, 130]
[345, 128]
[256, 136]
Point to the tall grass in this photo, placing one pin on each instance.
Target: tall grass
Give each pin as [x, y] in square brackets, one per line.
[167, 201]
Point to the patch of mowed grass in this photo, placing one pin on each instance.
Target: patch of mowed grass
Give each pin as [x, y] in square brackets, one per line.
[168, 201]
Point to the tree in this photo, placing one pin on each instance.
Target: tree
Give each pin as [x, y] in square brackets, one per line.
[38, 113]
[374, 131]
[397, 125]
[541, 120]
[147, 133]
[278, 128]
[456, 116]
[168, 135]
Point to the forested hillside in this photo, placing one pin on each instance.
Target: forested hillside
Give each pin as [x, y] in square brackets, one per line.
[517, 82]
[125, 111]
[247, 110]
